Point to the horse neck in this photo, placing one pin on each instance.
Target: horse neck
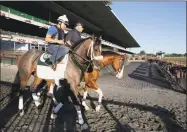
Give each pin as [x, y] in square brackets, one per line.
[82, 50]
[108, 60]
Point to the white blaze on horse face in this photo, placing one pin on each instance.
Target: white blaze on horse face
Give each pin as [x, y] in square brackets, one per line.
[20, 106]
[90, 50]
[100, 57]
[120, 74]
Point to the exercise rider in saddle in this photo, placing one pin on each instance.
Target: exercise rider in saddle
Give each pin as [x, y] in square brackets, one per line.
[74, 36]
[55, 38]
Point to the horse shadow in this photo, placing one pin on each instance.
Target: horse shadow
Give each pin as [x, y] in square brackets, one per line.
[166, 116]
[67, 115]
[158, 80]
[119, 127]
[9, 102]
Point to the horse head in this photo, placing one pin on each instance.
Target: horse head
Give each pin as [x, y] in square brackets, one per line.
[121, 64]
[97, 48]
[88, 49]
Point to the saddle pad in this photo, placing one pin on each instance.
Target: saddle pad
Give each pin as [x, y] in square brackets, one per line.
[46, 72]
[44, 57]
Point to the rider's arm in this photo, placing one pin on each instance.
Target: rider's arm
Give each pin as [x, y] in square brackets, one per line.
[50, 33]
[49, 39]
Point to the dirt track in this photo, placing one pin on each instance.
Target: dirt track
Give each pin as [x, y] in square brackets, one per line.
[142, 102]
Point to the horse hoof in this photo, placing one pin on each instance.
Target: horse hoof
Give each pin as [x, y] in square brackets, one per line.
[39, 107]
[87, 108]
[53, 115]
[84, 126]
[38, 94]
[98, 108]
[37, 111]
[21, 113]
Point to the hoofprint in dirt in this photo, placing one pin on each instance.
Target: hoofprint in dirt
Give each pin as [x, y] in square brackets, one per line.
[142, 101]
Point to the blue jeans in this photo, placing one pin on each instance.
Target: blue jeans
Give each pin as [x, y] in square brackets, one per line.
[57, 52]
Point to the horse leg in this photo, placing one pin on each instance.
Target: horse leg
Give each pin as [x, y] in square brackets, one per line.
[57, 105]
[21, 93]
[77, 104]
[33, 87]
[99, 100]
[84, 98]
[98, 90]
[50, 88]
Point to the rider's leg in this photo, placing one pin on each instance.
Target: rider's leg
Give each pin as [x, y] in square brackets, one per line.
[53, 49]
[57, 52]
[62, 51]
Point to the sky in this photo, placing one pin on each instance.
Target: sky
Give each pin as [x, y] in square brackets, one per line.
[156, 26]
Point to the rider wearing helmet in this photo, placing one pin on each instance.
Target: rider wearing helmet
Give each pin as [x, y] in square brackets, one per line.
[74, 36]
[55, 39]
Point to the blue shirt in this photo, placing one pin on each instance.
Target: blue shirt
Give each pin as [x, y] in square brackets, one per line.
[56, 33]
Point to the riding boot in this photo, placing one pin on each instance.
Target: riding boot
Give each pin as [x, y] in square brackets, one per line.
[48, 62]
[54, 66]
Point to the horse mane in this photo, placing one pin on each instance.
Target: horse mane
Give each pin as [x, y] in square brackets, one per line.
[80, 42]
[109, 53]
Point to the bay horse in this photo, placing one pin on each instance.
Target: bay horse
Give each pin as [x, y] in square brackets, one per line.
[109, 58]
[78, 60]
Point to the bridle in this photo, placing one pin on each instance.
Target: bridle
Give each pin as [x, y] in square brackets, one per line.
[90, 50]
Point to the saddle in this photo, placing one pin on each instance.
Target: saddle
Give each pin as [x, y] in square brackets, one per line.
[45, 56]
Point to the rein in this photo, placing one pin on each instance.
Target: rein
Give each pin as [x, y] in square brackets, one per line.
[86, 62]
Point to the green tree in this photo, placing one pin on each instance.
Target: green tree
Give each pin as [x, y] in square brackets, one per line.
[142, 52]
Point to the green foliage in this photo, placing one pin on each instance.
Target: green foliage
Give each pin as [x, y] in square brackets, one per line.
[142, 52]
[174, 55]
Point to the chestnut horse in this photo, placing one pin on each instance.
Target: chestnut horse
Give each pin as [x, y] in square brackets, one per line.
[109, 58]
[78, 61]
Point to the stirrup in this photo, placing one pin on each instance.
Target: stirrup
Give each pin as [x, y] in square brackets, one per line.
[54, 66]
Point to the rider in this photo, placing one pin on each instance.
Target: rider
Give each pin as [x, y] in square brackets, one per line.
[74, 36]
[55, 39]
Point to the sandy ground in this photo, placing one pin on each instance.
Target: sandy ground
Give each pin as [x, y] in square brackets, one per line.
[142, 101]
